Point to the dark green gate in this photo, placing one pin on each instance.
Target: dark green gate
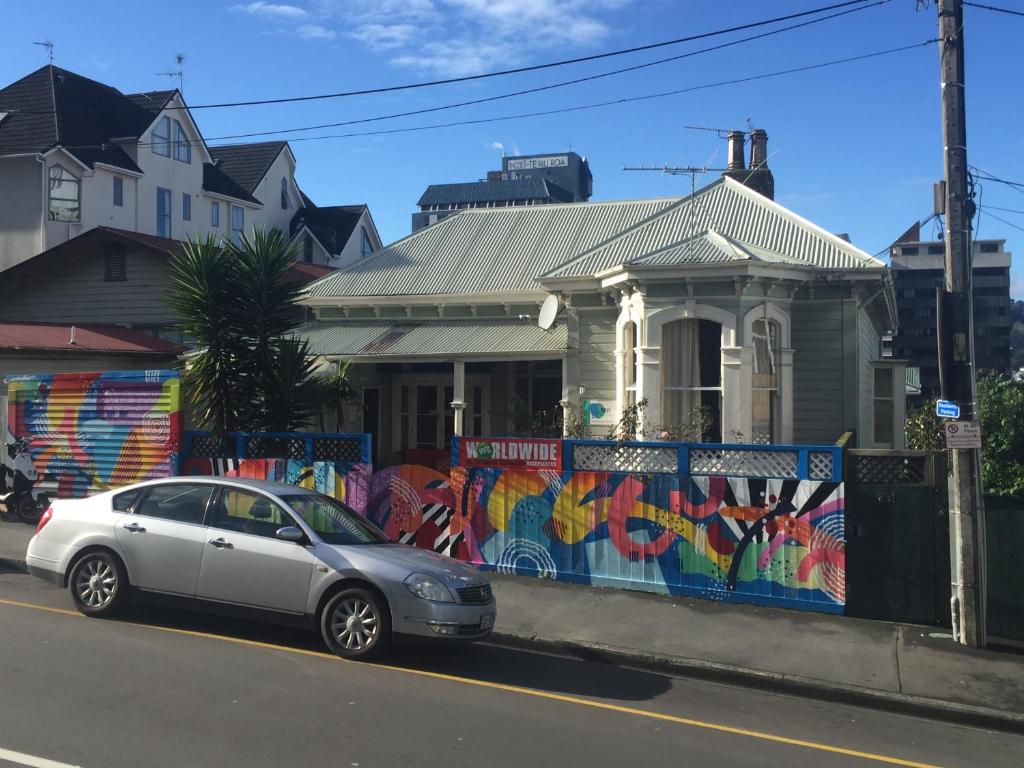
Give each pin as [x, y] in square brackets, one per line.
[897, 537]
[1004, 541]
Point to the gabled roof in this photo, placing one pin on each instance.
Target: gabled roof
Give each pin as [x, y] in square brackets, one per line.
[219, 183]
[476, 192]
[56, 337]
[54, 107]
[332, 225]
[247, 164]
[519, 248]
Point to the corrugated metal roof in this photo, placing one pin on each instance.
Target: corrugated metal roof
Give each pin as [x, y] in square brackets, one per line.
[710, 248]
[487, 250]
[766, 229]
[504, 250]
[442, 338]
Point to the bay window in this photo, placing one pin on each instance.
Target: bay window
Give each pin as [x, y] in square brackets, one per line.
[765, 395]
[691, 363]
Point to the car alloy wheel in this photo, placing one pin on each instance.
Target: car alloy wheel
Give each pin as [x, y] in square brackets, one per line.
[354, 625]
[97, 584]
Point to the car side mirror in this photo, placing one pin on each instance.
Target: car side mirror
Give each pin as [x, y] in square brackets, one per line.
[291, 533]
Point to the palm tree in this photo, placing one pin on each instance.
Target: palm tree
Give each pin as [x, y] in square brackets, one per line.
[287, 387]
[201, 293]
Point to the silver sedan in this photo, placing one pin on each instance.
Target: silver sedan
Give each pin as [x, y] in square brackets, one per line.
[259, 550]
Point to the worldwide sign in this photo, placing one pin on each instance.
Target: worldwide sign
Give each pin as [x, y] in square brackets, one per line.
[947, 409]
[510, 453]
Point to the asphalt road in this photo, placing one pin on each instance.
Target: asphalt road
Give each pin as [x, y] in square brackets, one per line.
[177, 689]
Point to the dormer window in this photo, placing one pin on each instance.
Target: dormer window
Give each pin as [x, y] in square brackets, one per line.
[162, 137]
[65, 193]
[182, 146]
[285, 200]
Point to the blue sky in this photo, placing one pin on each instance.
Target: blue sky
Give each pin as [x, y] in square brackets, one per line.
[855, 147]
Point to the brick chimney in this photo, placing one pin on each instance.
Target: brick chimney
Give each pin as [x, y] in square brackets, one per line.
[759, 176]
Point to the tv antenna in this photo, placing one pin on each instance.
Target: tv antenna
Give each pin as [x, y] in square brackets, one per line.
[48, 45]
[179, 73]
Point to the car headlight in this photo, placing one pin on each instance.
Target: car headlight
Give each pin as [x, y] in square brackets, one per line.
[428, 588]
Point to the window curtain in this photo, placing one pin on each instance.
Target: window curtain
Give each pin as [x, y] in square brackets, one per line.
[680, 349]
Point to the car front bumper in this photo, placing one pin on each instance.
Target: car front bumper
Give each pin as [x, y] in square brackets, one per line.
[415, 617]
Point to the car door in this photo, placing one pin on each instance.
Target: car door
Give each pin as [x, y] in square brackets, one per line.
[243, 560]
[162, 537]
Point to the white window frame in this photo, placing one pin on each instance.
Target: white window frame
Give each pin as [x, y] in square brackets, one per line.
[118, 191]
[214, 213]
[237, 232]
[160, 141]
[186, 206]
[365, 244]
[780, 314]
[63, 177]
[775, 400]
[166, 194]
[182, 144]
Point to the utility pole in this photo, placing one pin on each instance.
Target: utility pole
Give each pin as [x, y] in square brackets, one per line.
[955, 335]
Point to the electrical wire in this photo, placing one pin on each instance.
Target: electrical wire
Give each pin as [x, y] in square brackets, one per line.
[863, 5]
[994, 8]
[982, 173]
[579, 107]
[540, 89]
[1007, 210]
[988, 211]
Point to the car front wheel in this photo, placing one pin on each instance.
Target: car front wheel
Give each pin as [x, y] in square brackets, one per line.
[98, 584]
[355, 624]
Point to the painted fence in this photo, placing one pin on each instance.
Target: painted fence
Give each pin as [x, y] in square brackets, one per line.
[88, 432]
[758, 524]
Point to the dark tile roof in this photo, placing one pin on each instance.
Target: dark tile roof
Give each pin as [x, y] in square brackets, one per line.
[476, 192]
[247, 164]
[53, 106]
[56, 337]
[218, 182]
[331, 225]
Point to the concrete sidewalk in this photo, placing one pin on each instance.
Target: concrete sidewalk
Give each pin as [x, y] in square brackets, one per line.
[879, 664]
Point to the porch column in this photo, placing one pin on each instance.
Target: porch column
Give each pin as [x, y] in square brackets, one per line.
[737, 381]
[459, 395]
[648, 385]
[786, 396]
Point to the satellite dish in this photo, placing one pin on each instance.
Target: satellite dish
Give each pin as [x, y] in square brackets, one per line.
[548, 312]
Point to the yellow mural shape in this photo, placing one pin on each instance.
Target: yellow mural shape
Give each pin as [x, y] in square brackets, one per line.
[510, 488]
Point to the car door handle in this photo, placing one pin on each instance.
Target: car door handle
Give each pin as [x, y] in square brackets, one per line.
[222, 543]
[134, 528]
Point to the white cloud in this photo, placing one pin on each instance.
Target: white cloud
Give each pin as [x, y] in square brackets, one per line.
[382, 37]
[497, 146]
[315, 32]
[271, 10]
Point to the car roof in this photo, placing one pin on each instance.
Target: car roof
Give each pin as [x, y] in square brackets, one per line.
[267, 486]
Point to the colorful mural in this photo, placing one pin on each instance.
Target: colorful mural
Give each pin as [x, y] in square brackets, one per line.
[88, 432]
[778, 542]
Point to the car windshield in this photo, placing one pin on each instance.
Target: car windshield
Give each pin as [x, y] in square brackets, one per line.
[333, 521]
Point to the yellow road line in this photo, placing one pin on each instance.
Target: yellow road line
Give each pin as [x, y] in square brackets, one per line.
[523, 691]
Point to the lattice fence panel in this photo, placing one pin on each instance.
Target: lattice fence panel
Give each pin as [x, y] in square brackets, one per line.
[740, 463]
[640, 459]
[910, 470]
[336, 449]
[819, 465]
[210, 447]
[259, 447]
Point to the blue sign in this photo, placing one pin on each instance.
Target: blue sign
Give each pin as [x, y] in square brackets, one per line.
[947, 409]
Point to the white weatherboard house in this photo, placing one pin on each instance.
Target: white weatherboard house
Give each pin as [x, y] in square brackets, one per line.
[722, 300]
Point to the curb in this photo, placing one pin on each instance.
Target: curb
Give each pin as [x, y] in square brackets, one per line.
[776, 682]
[14, 564]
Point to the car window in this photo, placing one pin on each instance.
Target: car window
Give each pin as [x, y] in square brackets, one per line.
[333, 521]
[248, 512]
[181, 503]
[122, 502]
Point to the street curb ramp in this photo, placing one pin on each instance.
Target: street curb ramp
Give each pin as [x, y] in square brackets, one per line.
[775, 682]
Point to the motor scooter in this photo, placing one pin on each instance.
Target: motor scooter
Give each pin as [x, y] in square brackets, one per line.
[18, 476]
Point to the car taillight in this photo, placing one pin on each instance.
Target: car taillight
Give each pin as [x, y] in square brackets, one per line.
[45, 518]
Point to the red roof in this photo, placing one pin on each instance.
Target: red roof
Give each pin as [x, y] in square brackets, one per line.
[303, 273]
[88, 338]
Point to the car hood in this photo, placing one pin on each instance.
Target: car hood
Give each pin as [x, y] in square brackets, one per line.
[454, 573]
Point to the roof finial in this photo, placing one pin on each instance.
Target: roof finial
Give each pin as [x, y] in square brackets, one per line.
[48, 45]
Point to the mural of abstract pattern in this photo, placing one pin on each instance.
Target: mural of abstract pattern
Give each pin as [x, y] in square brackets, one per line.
[776, 542]
[346, 481]
[88, 432]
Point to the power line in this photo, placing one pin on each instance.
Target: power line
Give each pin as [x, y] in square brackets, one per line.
[516, 70]
[994, 8]
[1007, 210]
[580, 107]
[540, 89]
[982, 173]
[988, 211]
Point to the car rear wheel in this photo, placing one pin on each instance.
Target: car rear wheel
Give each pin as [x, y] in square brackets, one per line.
[98, 584]
[355, 624]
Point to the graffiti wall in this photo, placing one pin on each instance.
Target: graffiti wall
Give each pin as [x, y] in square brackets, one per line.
[776, 542]
[89, 432]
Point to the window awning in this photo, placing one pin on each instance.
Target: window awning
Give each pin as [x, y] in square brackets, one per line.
[446, 339]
